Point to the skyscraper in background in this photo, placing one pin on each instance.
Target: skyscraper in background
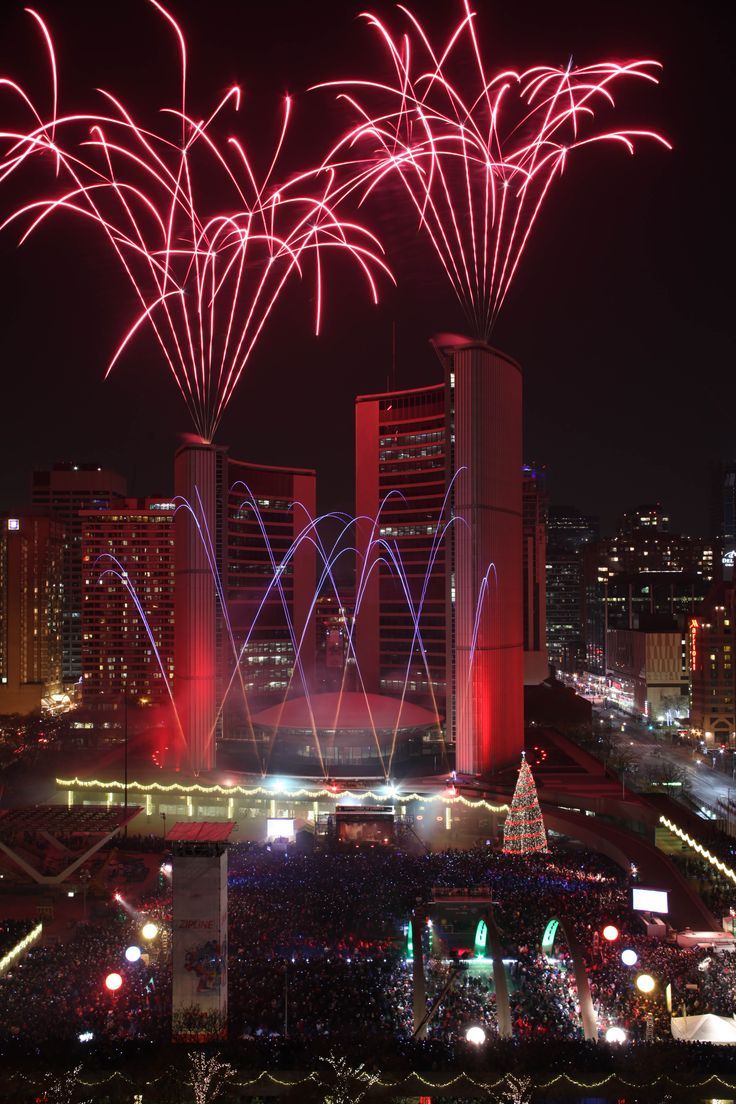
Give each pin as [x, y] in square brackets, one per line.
[446, 619]
[534, 565]
[643, 576]
[62, 491]
[725, 520]
[31, 585]
[128, 559]
[568, 531]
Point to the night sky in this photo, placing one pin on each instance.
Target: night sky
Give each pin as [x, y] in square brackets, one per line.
[618, 315]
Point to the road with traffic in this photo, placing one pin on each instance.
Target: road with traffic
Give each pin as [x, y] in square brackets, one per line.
[648, 751]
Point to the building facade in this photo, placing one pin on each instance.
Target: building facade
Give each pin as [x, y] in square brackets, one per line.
[643, 572]
[128, 602]
[439, 604]
[63, 491]
[534, 567]
[403, 572]
[31, 592]
[568, 531]
[713, 675]
[269, 575]
[647, 673]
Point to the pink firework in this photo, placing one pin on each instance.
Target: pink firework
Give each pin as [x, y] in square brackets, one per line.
[207, 243]
[477, 157]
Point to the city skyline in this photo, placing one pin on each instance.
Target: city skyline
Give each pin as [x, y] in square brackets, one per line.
[659, 436]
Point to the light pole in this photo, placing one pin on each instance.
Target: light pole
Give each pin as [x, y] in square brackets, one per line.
[286, 1000]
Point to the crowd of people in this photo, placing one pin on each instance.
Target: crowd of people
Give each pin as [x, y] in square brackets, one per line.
[318, 953]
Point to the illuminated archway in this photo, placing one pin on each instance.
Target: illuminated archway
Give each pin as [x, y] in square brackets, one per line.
[549, 939]
[486, 938]
[500, 982]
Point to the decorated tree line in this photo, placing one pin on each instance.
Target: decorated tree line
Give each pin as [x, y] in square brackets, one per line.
[524, 831]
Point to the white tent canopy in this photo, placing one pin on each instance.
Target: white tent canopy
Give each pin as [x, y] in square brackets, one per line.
[704, 1029]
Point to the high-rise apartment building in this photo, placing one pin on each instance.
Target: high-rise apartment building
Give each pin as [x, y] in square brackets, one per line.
[62, 491]
[568, 531]
[128, 602]
[31, 587]
[534, 565]
[439, 608]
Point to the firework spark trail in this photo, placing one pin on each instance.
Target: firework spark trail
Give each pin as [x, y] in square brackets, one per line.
[476, 157]
[206, 281]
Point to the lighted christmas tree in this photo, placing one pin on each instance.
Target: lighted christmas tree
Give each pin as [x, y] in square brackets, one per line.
[524, 831]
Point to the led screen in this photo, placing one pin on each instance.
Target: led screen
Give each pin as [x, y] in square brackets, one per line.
[367, 830]
[279, 828]
[650, 900]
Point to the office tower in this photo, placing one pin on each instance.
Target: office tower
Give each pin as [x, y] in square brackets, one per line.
[269, 577]
[31, 586]
[127, 563]
[643, 572]
[534, 566]
[443, 464]
[712, 672]
[568, 531]
[642, 520]
[724, 529]
[402, 460]
[63, 491]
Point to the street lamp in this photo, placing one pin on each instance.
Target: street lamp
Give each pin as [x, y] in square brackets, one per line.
[645, 983]
[475, 1035]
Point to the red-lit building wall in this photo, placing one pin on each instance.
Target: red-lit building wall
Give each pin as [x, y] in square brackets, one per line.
[408, 446]
[401, 468]
[488, 646]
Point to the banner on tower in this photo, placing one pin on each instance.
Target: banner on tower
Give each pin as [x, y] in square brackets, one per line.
[199, 929]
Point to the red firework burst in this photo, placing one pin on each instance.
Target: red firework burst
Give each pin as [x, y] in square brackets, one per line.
[477, 158]
[206, 281]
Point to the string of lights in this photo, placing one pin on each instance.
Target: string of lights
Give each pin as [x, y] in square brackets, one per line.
[16, 951]
[433, 1083]
[698, 847]
[271, 791]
